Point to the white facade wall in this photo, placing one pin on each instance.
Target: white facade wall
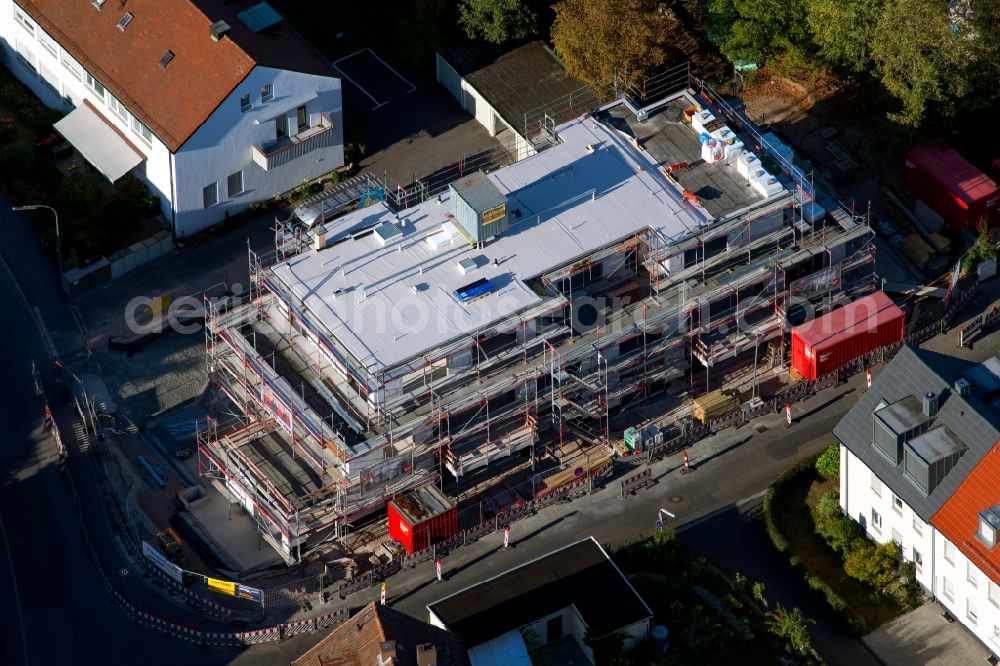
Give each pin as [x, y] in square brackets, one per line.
[861, 493]
[968, 593]
[223, 145]
[220, 147]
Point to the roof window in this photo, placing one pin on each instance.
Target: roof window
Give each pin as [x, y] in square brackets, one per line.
[167, 57]
[98, 3]
[125, 21]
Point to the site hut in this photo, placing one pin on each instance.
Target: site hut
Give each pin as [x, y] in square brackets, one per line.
[403, 346]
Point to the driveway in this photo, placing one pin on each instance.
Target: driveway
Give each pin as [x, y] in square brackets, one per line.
[923, 636]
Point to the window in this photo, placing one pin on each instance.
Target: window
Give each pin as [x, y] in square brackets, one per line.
[24, 21]
[71, 65]
[947, 588]
[48, 78]
[118, 107]
[876, 485]
[302, 117]
[95, 85]
[125, 21]
[142, 130]
[267, 92]
[234, 184]
[210, 195]
[918, 526]
[970, 611]
[281, 127]
[167, 57]
[876, 519]
[245, 103]
[48, 44]
[897, 504]
[24, 55]
[972, 574]
[98, 3]
[897, 538]
[993, 594]
[918, 559]
[986, 533]
[949, 552]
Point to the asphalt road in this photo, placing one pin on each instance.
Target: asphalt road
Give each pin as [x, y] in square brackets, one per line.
[60, 613]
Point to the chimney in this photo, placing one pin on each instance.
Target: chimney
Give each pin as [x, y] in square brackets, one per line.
[219, 30]
[962, 386]
[427, 655]
[387, 653]
[319, 239]
[930, 401]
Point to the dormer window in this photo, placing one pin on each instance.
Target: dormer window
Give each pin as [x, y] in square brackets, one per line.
[989, 523]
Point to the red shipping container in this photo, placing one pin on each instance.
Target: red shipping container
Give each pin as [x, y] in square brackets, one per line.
[828, 342]
[422, 517]
[958, 191]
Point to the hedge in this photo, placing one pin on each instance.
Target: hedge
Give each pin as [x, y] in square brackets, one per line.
[775, 492]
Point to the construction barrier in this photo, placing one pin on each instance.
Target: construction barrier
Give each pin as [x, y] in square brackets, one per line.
[635, 482]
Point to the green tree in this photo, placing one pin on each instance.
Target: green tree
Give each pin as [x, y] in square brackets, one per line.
[873, 564]
[600, 42]
[920, 59]
[496, 21]
[841, 534]
[828, 463]
[792, 627]
[756, 30]
[843, 30]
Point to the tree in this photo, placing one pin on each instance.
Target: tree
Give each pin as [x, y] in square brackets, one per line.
[496, 21]
[755, 30]
[875, 565]
[790, 626]
[843, 30]
[828, 463]
[920, 59]
[600, 42]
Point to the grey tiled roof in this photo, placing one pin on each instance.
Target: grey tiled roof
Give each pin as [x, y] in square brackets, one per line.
[914, 372]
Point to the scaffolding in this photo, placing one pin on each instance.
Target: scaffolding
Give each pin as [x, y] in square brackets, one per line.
[532, 381]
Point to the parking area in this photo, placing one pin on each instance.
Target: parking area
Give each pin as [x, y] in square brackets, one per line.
[374, 77]
[924, 636]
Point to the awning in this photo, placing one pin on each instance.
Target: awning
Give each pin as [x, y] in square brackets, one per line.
[99, 143]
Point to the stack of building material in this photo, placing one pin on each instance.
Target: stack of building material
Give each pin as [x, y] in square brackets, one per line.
[714, 405]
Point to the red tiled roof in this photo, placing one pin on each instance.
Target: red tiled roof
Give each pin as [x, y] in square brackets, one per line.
[958, 517]
[173, 101]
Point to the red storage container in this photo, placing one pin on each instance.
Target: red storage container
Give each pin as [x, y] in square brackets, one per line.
[422, 517]
[828, 342]
[958, 191]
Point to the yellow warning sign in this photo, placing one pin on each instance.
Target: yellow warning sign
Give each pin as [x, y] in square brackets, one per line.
[223, 586]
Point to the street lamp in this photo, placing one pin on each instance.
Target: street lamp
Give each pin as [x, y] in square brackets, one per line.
[54, 214]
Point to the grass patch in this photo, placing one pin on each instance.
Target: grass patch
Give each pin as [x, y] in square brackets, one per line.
[789, 513]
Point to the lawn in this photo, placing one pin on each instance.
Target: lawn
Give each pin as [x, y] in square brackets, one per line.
[794, 519]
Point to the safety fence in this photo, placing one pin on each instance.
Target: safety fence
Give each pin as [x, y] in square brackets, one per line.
[806, 389]
[567, 491]
[635, 481]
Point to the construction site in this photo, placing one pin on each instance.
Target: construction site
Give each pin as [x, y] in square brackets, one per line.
[648, 248]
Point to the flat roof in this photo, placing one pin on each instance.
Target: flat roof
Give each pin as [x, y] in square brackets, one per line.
[396, 302]
[868, 313]
[580, 574]
[519, 81]
[935, 444]
[902, 415]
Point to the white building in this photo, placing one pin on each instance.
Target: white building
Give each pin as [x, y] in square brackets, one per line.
[920, 465]
[215, 105]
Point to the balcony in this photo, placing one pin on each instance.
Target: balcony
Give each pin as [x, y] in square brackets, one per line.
[273, 154]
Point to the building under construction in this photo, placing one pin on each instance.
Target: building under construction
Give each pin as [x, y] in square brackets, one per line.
[639, 251]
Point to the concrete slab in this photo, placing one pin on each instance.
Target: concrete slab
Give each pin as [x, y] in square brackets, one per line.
[923, 636]
[223, 521]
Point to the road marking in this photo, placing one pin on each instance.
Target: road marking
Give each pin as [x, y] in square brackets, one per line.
[50, 346]
[78, 318]
[17, 595]
[357, 85]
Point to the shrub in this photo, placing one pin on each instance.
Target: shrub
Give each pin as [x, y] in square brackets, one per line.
[828, 463]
